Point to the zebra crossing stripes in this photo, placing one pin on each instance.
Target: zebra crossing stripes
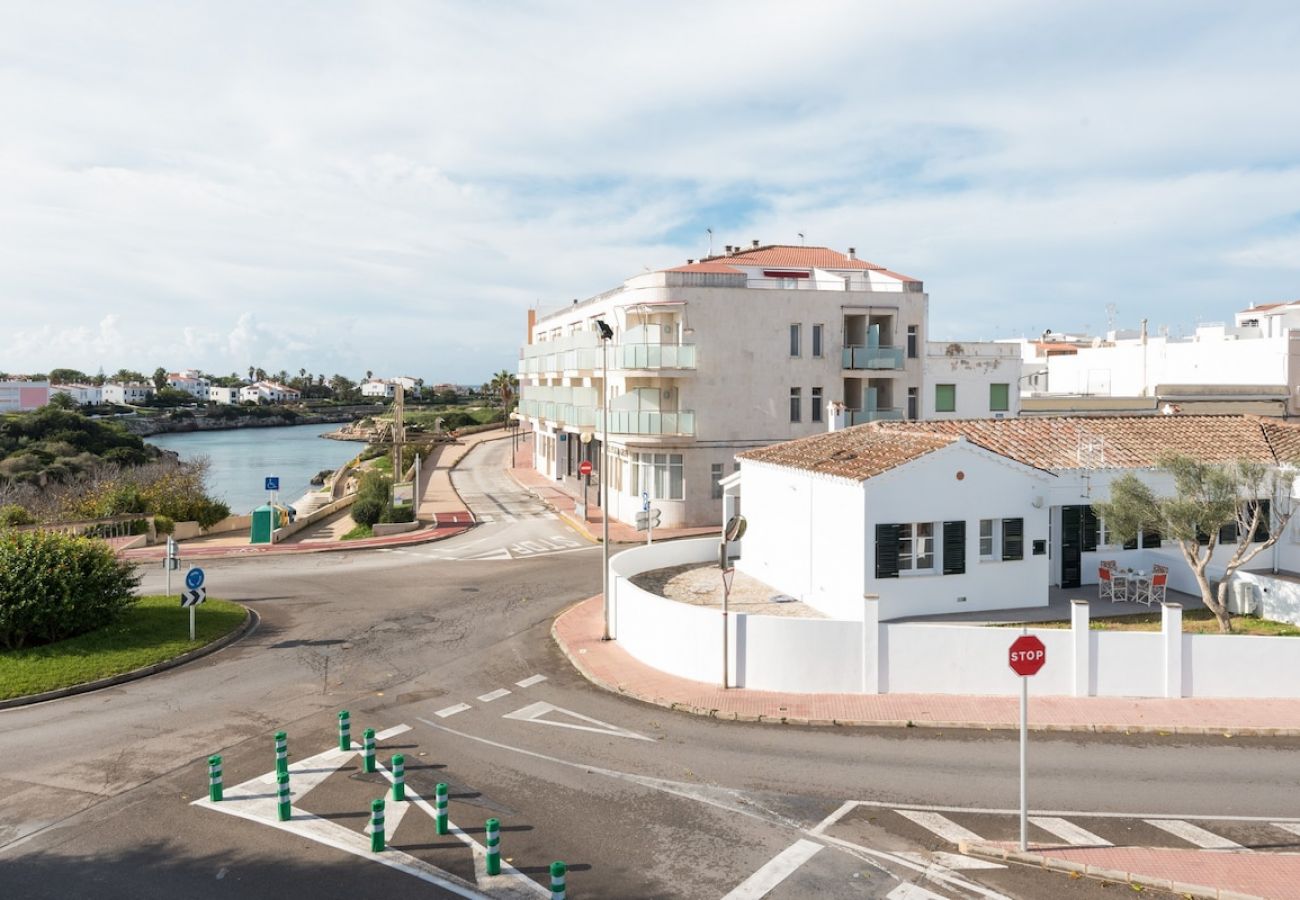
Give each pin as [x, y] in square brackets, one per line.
[940, 825]
[1068, 831]
[1288, 827]
[1194, 834]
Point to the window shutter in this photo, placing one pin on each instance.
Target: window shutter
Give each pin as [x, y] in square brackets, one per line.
[886, 551]
[1150, 537]
[1265, 521]
[1089, 530]
[1013, 539]
[954, 548]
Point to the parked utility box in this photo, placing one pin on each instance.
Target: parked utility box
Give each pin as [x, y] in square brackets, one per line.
[265, 520]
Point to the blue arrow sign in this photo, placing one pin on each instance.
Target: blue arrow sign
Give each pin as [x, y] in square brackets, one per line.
[194, 578]
[645, 501]
[272, 482]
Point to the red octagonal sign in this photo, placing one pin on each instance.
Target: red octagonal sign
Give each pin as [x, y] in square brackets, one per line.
[584, 467]
[1027, 655]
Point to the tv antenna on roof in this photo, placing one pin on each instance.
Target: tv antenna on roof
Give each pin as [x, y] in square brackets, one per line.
[710, 231]
[801, 240]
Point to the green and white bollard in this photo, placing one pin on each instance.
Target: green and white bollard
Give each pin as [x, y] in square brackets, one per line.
[368, 749]
[376, 825]
[281, 753]
[558, 870]
[492, 837]
[214, 778]
[283, 802]
[440, 804]
[345, 730]
[399, 776]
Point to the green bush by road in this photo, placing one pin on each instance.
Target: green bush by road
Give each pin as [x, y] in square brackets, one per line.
[153, 630]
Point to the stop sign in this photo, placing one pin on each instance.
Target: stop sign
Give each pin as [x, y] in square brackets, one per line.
[1027, 655]
[584, 467]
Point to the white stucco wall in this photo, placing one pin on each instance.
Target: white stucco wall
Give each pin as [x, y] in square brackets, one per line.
[971, 368]
[966, 659]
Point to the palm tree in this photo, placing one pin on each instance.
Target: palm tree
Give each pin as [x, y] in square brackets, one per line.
[251, 371]
[504, 385]
[369, 374]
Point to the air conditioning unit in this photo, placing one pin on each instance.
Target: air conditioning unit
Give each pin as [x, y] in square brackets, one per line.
[1243, 597]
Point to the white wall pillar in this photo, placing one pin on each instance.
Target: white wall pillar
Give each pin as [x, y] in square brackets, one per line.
[613, 603]
[1081, 641]
[871, 645]
[1171, 637]
[736, 646]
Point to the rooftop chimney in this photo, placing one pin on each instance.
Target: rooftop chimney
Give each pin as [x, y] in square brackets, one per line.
[756, 243]
[853, 253]
[728, 249]
[690, 262]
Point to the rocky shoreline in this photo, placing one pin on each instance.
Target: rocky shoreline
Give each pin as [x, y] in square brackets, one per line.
[148, 426]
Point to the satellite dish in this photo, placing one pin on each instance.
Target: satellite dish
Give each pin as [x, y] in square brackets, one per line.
[735, 529]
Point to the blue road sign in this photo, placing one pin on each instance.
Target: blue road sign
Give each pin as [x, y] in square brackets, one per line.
[194, 578]
[272, 482]
[645, 501]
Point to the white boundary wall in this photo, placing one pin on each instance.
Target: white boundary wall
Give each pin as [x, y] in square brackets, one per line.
[865, 655]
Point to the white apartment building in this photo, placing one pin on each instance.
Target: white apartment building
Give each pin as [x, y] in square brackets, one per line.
[720, 355]
[268, 392]
[21, 395]
[83, 394]
[127, 394]
[191, 381]
[226, 396]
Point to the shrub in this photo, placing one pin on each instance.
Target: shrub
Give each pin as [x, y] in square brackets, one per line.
[403, 513]
[367, 510]
[53, 586]
[12, 514]
[163, 525]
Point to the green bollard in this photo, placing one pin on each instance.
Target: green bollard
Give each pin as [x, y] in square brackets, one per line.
[281, 753]
[283, 780]
[345, 730]
[557, 880]
[368, 749]
[440, 804]
[376, 825]
[492, 836]
[214, 778]
[399, 776]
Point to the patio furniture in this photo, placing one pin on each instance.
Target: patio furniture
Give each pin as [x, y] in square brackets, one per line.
[1111, 585]
[1151, 589]
[1109, 564]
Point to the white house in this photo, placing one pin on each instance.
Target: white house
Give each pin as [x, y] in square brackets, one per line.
[951, 516]
[22, 395]
[268, 392]
[226, 396]
[191, 381]
[970, 380]
[82, 394]
[378, 388]
[127, 394]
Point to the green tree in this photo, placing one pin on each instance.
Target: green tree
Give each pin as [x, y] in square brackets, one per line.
[504, 386]
[67, 376]
[61, 400]
[1242, 505]
[159, 378]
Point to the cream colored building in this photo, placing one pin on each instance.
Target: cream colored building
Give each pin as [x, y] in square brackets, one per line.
[721, 355]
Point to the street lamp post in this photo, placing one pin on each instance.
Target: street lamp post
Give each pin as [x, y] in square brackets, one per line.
[605, 334]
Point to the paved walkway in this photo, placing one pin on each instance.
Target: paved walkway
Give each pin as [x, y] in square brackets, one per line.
[608, 665]
[592, 527]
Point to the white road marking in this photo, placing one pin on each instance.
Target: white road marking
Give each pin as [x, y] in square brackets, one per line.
[493, 695]
[953, 861]
[391, 732]
[452, 710]
[912, 892]
[1289, 827]
[775, 870]
[941, 825]
[833, 817]
[530, 681]
[495, 554]
[1069, 832]
[534, 711]
[1194, 834]
[1071, 813]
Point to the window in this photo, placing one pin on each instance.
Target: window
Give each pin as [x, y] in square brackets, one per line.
[715, 474]
[817, 341]
[987, 539]
[999, 397]
[916, 547]
[1013, 539]
[911, 342]
[659, 475]
[816, 400]
[954, 548]
[796, 339]
[912, 404]
[796, 402]
[945, 398]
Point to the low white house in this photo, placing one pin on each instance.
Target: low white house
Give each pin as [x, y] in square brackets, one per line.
[378, 388]
[938, 517]
[191, 381]
[82, 394]
[127, 394]
[226, 396]
[268, 392]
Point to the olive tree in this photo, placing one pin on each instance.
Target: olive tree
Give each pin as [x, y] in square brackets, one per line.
[1214, 504]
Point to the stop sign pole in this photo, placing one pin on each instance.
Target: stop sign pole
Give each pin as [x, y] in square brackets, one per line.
[1026, 656]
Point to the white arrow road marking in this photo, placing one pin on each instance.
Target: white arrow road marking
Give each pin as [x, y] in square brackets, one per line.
[941, 825]
[775, 870]
[452, 710]
[1069, 832]
[534, 711]
[948, 860]
[912, 892]
[1194, 834]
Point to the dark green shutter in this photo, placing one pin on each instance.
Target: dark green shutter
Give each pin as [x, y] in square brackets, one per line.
[1265, 521]
[1150, 537]
[954, 548]
[1089, 530]
[1013, 539]
[1228, 534]
[886, 551]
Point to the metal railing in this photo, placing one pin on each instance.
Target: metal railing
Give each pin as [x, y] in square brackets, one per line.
[863, 416]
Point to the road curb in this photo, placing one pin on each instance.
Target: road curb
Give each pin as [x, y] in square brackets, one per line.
[575, 659]
[247, 627]
[1070, 867]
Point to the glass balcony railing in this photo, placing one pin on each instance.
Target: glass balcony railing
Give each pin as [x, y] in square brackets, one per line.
[863, 416]
[653, 356]
[645, 422]
[873, 358]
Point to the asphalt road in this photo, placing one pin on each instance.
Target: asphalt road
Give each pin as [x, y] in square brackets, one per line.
[447, 649]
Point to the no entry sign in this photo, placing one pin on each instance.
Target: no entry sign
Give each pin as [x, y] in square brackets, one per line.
[584, 467]
[1027, 655]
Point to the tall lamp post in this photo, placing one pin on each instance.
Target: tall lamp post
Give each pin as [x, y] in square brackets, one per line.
[606, 333]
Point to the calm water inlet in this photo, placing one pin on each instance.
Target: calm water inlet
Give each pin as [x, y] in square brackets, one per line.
[242, 458]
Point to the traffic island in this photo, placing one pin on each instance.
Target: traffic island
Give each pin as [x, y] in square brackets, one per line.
[153, 635]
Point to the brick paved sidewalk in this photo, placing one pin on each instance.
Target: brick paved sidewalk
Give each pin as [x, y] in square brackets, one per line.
[578, 631]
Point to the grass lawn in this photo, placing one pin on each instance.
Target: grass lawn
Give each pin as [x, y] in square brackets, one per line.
[155, 629]
[358, 532]
[1195, 621]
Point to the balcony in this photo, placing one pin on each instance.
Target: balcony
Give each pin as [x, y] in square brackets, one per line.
[653, 356]
[863, 416]
[872, 358]
[646, 422]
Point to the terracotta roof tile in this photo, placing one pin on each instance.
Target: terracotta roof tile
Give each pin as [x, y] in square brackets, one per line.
[790, 257]
[706, 267]
[1104, 442]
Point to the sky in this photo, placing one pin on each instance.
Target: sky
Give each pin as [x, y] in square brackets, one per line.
[343, 187]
